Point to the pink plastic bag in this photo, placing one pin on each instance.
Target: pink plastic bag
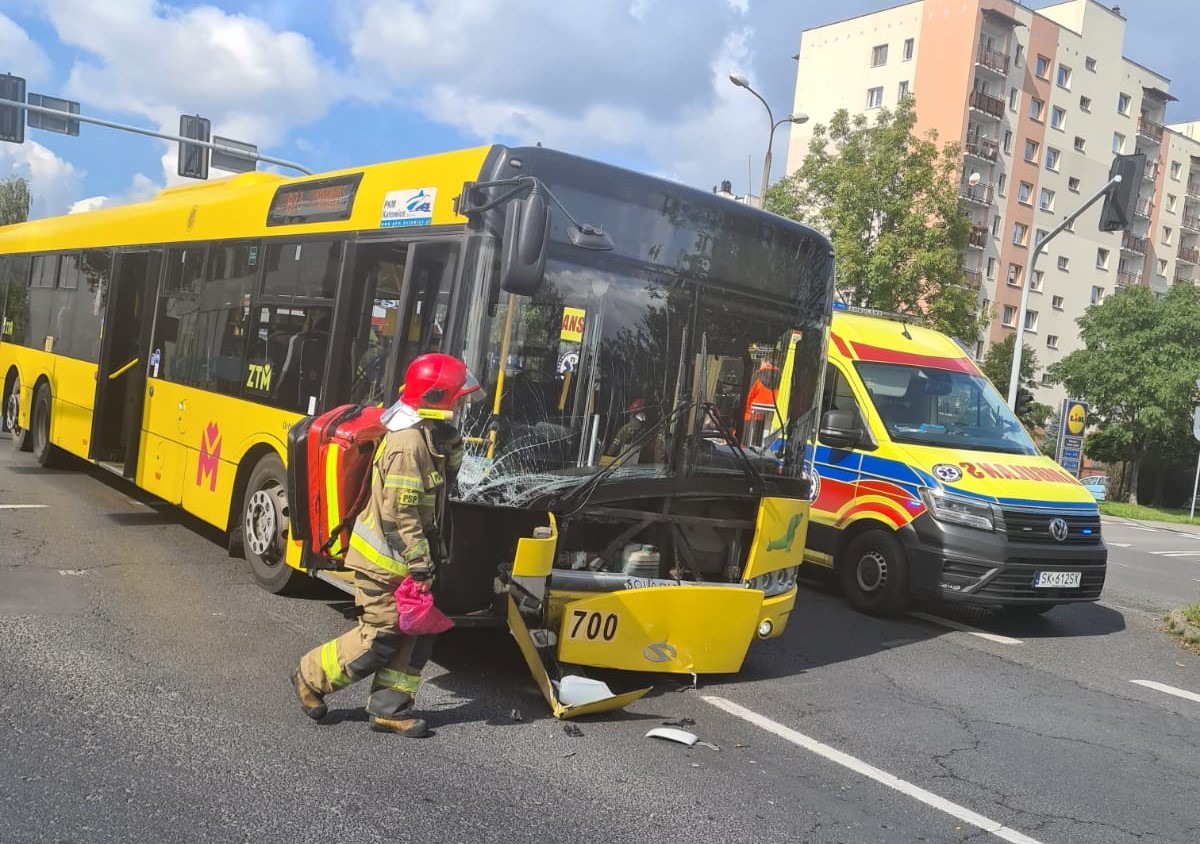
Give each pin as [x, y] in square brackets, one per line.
[418, 615]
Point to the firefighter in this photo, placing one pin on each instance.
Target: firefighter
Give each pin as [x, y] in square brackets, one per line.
[395, 536]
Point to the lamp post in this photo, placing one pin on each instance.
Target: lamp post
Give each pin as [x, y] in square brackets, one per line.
[741, 81]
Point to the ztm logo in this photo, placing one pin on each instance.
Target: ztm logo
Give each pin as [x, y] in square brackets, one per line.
[210, 457]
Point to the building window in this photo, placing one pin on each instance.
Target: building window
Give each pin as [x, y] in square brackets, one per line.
[1123, 103]
[874, 97]
[1176, 167]
[908, 49]
[1001, 183]
[1031, 151]
[1171, 200]
[1014, 275]
[1051, 341]
[1042, 68]
[991, 265]
[996, 225]
[879, 55]
[1052, 157]
[1010, 316]
[1020, 56]
[1080, 144]
[1038, 236]
[1035, 108]
[1118, 142]
[1085, 103]
[902, 94]
[1064, 263]
[1073, 184]
[1102, 259]
[1058, 118]
[1047, 379]
[1162, 266]
[1090, 63]
[1166, 234]
[1007, 141]
[1035, 283]
[1069, 227]
[1056, 302]
[1025, 193]
[1097, 295]
[1031, 320]
[1013, 95]
[1064, 76]
[1020, 233]
[1046, 200]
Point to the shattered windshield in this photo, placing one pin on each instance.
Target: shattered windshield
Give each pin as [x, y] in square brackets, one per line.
[592, 368]
[939, 407]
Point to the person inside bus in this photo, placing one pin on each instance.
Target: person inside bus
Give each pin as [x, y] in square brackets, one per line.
[396, 536]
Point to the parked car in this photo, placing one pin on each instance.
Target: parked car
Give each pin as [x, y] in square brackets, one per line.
[1097, 485]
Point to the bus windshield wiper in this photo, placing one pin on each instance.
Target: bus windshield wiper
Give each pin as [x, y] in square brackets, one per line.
[758, 484]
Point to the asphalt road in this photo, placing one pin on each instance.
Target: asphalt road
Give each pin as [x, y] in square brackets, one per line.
[146, 699]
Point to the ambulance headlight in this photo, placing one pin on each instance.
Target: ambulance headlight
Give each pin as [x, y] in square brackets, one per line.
[959, 510]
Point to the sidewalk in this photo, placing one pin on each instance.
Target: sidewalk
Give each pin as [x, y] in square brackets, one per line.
[1177, 527]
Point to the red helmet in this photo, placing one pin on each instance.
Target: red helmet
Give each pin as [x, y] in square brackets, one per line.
[636, 405]
[436, 382]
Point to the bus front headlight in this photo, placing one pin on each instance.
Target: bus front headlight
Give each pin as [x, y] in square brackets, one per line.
[775, 582]
[958, 509]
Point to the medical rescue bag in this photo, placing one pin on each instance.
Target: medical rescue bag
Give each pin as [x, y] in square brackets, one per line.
[329, 478]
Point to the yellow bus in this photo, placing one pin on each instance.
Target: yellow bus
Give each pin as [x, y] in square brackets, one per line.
[608, 510]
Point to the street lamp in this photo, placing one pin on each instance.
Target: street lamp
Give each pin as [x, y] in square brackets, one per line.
[741, 81]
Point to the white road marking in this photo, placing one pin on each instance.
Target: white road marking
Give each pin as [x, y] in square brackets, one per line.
[1176, 553]
[1119, 544]
[1141, 527]
[871, 772]
[1171, 690]
[23, 506]
[954, 625]
[1123, 565]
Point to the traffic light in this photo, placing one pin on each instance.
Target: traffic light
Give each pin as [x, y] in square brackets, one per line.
[12, 119]
[1121, 199]
[1024, 403]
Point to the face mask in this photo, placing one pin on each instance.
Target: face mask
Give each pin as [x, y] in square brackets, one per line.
[641, 417]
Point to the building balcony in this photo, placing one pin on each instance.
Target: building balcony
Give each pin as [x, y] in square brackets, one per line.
[982, 147]
[1144, 208]
[1193, 189]
[977, 239]
[975, 277]
[1147, 128]
[1189, 254]
[991, 106]
[1191, 223]
[1133, 243]
[1183, 275]
[993, 60]
[1127, 279]
[1150, 173]
[980, 193]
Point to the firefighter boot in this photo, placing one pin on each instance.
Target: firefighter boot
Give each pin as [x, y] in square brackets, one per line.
[311, 701]
[411, 727]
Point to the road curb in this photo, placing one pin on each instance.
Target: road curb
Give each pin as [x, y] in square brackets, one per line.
[1189, 633]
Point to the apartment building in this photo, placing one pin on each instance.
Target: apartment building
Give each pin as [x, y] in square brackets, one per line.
[1039, 101]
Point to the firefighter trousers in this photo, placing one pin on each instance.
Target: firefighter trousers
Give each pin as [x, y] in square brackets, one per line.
[374, 647]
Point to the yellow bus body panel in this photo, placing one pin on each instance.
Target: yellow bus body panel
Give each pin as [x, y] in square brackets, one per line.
[779, 534]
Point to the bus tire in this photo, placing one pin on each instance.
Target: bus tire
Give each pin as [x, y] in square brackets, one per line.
[12, 405]
[874, 574]
[264, 526]
[44, 452]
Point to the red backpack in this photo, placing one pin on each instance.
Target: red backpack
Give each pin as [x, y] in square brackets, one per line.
[329, 478]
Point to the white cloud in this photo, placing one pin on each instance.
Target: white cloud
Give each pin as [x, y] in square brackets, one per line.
[53, 182]
[22, 57]
[91, 203]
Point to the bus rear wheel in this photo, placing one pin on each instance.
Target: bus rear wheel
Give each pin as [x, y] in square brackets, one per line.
[265, 526]
[874, 574]
[44, 452]
[12, 407]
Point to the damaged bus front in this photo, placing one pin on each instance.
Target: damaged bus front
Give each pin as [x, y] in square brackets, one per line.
[630, 499]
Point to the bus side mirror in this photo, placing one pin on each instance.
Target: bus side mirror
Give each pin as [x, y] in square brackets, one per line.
[839, 429]
[523, 255]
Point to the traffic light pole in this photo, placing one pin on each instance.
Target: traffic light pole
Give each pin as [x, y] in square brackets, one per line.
[235, 151]
[1014, 376]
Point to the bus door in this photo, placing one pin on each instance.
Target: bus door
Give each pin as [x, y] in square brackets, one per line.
[121, 372]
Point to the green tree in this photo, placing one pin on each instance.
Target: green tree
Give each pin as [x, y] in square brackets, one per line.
[997, 366]
[1137, 371]
[15, 200]
[890, 203]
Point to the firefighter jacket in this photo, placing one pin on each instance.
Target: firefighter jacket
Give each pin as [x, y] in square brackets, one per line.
[398, 530]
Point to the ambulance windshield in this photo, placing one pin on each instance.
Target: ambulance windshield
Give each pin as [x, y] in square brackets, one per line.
[945, 408]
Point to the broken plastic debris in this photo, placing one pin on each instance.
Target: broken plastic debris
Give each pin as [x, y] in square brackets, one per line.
[672, 734]
[577, 691]
[516, 715]
[572, 730]
[682, 722]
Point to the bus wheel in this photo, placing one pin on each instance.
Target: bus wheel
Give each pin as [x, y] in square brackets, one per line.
[265, 525]
[44, 452]
[12, 406]
[874, 574]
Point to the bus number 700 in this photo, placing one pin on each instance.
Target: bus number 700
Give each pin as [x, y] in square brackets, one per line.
[593, 625]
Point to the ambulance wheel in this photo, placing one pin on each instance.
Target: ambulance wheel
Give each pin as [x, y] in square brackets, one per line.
[12, 406]
[44, 452]
[874, 574]
[265, 526]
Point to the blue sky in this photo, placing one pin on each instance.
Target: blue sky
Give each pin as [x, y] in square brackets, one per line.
[337, 83]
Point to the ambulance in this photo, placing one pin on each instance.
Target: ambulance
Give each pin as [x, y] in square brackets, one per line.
[927, 487]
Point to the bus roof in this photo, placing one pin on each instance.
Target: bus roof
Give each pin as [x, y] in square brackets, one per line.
[237, 207]
[861, 337]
